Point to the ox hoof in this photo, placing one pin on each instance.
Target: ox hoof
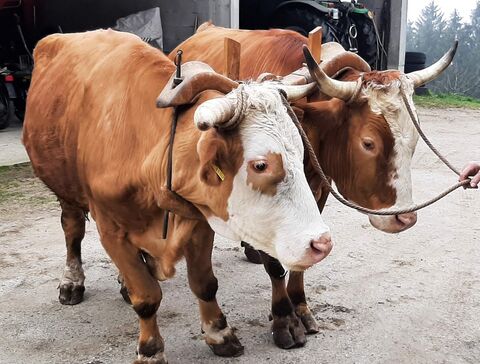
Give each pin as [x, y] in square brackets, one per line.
[309, 321]
[231, 347]
[253, 256]
[157, 359]
[288, 332]
[71, 294]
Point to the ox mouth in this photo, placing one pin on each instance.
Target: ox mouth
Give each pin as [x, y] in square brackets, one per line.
[317, 251]
[390, 224]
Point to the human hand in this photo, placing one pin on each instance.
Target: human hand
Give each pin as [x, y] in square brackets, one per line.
[472, 170]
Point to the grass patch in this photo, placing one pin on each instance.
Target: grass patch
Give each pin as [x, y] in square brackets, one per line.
[19, 188]
[444, 101]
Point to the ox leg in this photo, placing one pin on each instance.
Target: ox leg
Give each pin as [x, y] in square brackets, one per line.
[296, 292]
[295, 287]
[143, 289]
[219, 336]
[287, 330]
[72, 283]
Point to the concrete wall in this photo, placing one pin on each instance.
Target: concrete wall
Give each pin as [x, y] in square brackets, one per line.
[391, 18]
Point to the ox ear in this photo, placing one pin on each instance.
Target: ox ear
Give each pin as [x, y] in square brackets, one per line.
[197, 77]
[211, 148]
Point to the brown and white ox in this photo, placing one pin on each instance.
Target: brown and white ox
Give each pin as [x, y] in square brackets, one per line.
[96, 138]
[358, 126]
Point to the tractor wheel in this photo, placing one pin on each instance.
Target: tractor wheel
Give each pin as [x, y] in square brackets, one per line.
[415, 58]
[4, 108]
[302, 19]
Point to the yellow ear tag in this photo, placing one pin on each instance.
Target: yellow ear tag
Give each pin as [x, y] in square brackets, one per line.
[219, 172]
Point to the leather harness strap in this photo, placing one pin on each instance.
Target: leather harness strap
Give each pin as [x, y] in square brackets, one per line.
[178, 79]
[170, 166]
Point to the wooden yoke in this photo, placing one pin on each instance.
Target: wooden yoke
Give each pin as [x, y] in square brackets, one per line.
[315, 43]
[231, 59]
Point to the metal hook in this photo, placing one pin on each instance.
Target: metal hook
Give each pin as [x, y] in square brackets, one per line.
[178, 62]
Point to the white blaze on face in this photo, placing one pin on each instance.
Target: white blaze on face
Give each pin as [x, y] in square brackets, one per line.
[281, 224]
[386, 100]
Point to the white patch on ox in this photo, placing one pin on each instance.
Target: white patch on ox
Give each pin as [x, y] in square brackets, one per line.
[282, 225]
[386, 100]
[214, 336]
[73, 274]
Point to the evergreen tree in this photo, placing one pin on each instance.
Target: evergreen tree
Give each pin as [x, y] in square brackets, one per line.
[411, 37]
[475, 23]
[433, 35]
[430, 31]
[456, 75]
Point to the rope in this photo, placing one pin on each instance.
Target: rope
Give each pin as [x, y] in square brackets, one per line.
[240, 110]
[388, 212]
[424, 137]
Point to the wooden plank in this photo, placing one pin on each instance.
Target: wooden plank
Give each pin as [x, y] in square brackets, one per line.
[315, 43]
[231, 54]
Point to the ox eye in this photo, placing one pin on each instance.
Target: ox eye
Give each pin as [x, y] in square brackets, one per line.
[259, 166]
[368, 144]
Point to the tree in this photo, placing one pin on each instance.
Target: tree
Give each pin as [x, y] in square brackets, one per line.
[411, 36]
[433, 35]
[453, 77]
[430, 31]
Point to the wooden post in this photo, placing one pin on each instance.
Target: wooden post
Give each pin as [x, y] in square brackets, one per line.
[315, 43]
[231, 59]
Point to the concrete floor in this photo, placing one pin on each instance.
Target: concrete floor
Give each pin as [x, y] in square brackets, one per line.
[11, 147]
[409, 298]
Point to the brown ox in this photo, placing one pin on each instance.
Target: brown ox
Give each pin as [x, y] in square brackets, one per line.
[97, 140]
[362, 136]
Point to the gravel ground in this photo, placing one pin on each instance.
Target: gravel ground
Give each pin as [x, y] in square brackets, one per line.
[407, 298]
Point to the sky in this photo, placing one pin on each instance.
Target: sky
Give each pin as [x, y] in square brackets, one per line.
[464, 7]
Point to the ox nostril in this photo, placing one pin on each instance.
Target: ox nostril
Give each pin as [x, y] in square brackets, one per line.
[408, 219]
[322, 244]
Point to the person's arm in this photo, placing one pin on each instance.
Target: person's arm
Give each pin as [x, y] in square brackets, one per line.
[472, 170]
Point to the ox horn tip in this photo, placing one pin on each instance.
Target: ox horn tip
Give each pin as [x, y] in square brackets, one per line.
[203, 126]
[311, 63]
[454, 48]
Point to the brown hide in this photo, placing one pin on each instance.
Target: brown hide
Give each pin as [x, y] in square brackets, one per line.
[102, 145]
[334, 128]
[277, 51]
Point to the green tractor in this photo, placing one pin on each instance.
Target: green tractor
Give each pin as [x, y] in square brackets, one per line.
[347, 23]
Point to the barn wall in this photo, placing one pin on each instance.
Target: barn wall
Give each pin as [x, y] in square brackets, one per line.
[178, 17]
[391, 17]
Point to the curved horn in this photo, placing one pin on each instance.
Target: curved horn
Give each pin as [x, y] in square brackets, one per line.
[430, 73]
[343, 90]
[213, 112]
[298, 92]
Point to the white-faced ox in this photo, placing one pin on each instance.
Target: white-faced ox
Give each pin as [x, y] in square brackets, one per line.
[357, 124]
[98, 141]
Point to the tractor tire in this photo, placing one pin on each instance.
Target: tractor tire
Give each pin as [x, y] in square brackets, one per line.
[302, 19]
[422, 91]
[366, 39]
[415, 58]
[4, 108]
[409, 67]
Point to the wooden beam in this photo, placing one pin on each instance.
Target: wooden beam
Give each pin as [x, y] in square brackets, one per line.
[231, 59]
[315, 43]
